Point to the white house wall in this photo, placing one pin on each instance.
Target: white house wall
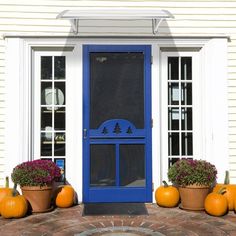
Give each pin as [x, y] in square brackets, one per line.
[192, 18]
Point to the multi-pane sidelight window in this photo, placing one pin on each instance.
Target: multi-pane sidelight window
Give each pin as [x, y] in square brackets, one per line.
[180, 108]
[53, 106]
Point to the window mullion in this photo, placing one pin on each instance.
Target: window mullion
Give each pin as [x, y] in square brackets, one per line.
[180, 108]
[53, 107]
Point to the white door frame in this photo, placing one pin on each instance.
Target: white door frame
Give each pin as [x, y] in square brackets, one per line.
[20, 58]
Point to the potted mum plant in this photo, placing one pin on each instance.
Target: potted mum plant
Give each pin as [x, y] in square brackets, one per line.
[35, 179]
[194, 179]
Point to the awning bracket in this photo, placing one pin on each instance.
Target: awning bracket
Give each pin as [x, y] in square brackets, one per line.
[75, 25]
[155, 25]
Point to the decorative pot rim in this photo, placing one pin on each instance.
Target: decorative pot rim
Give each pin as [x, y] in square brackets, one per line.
[195, 186]
[33, 188]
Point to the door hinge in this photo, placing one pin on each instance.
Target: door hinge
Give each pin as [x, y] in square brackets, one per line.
[85, 133]
[152, 123]
[153, 187]
[151, 60]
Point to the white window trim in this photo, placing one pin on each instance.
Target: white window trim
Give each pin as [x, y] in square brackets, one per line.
[213, 60]
[213, 133]
[36, 96]
[196, 106]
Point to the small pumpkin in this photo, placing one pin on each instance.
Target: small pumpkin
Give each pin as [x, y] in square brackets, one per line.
[65, 196]
[216, 203]
[230, 191]
[167, 196]
[14, 206]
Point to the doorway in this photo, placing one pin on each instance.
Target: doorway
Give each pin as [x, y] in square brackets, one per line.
[117, 160]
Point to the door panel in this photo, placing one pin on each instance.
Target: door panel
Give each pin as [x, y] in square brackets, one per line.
[117, 124]
[117, 78]
[102, 165]
[132, 165]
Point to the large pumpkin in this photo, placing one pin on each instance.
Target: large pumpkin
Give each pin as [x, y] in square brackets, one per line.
[167, 196]
[4, 192]
[216, 204]
[14, 206]
[65, 196]
[230, 191]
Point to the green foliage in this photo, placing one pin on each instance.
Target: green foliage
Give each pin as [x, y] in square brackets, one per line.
[186, 172]
[35, 173]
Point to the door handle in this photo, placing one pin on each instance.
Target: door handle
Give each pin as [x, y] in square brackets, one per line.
[85, 133]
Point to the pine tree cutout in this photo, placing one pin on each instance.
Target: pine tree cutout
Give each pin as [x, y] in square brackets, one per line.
[129, 130]
[117, 129]
[105, 131]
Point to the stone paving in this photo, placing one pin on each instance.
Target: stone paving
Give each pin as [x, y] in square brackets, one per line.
[158, 222]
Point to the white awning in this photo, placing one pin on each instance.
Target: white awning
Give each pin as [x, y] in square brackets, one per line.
[115, 13]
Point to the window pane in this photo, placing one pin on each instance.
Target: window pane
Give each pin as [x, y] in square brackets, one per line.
[59, 118]
[173, 123]
[173, 144]
[173, 93]
[46, 144]
[59, 93]
[59, 68]
[46, 118]
[46, 68]
[59, 144]
[186, 93]
[186, 68]
[46, 93]
[187, 144]
[102, 165]
[186, 121]
[173, 68]
[132, 165]
[117, 82]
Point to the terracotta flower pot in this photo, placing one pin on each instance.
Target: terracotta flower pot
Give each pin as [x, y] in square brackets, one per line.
[38, 197]
[193, 197]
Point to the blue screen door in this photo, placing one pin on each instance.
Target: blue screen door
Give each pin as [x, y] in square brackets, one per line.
[117, 165]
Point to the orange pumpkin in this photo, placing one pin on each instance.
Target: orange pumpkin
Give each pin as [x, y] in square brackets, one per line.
[4, 192]
[14, 206]
[216, 204]
[230, 191]
[167, 196]
[65, 196]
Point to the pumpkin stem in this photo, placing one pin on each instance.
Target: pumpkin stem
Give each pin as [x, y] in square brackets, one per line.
[165, 184]
[222, 191]
[14, 191]
[226, 177]
[7, 182]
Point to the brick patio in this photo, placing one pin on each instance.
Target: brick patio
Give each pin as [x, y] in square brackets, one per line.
[159, 222]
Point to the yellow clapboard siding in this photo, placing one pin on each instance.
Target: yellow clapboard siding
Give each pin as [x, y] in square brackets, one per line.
[231, 76]
[232, 111]
[232, 138]
[231, 62]
[2, 62]
[181, 4]
[118, 23]
[192, 18]
[232, 83]
[232, 145]
[232, 152]
[233, 166]
[231, 96]
[232, 130]
[232, 159]
[211, 9]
